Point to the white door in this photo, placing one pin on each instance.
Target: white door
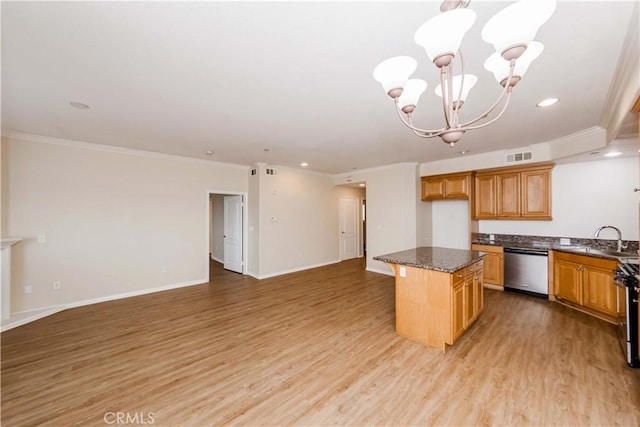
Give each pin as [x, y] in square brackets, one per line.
[348, 228]
[233, 233]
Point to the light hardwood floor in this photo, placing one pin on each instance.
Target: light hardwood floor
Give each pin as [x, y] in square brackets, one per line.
[311, 348]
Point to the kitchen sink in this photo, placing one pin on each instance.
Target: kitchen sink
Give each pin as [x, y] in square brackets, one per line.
[607, 252]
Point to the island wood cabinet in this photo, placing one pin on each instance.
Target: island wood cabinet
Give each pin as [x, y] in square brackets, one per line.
[435, 308]
[448, 186]
[513, 193]
[493, 265]
[585, 282]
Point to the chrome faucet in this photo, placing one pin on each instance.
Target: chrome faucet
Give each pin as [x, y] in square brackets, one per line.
[620, 246]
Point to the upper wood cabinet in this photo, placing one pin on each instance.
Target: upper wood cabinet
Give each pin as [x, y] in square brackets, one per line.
[448, 186]
[513, 193]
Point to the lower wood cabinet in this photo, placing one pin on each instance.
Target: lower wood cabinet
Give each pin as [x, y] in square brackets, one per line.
[493, 264]
[467, 299]
[585, 282]
[435, 308]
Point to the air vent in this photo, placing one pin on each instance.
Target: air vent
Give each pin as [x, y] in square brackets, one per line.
[270, 171]
[522, 156]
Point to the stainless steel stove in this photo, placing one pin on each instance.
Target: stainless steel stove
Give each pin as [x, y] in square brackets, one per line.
[626, 279]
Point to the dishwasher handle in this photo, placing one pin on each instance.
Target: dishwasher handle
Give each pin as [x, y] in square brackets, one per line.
[525, 252]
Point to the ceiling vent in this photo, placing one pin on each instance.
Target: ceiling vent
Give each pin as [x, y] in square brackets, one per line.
[270, 171]
[521, 156]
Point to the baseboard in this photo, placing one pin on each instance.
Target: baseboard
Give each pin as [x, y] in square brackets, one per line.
[24, 317]
[380, 271]
[216, 259]
[293, 270]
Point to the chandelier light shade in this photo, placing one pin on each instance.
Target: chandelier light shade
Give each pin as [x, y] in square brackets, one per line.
[411, 94]
[442, 35]
[393, 73]
[511, 32]
[500, 66]
[459, 88]
[515, 26]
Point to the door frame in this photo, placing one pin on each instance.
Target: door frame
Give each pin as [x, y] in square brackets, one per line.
[245, 224]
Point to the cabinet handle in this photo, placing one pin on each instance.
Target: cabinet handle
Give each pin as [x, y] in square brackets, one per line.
[459, 275]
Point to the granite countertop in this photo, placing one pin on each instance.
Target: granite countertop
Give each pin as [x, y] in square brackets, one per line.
[433, 258]
[597, 252]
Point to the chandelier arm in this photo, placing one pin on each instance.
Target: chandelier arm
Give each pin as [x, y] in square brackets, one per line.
[456, 120]
[504, 108]
[425, 133]
[444, 76]
[507, 89]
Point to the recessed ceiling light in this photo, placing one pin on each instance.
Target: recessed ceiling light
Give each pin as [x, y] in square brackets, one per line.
[208, 152]
[79, 105]
[612, 154]
[463, 152]
[362, 184]
[304, 164]
[547, 102]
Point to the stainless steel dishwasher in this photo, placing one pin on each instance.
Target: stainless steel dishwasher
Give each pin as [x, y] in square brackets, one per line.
[526, 271]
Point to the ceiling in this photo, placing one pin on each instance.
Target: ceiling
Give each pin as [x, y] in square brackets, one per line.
[283, 82]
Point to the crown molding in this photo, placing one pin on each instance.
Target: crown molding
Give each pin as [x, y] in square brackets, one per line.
[42, 139]
[624, 89]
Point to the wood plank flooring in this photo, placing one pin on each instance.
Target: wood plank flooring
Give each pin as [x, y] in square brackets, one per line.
[311, 348]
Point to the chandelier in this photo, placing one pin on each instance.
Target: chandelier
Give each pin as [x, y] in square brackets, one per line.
[511, 32]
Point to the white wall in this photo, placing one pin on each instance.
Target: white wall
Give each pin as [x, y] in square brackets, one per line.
[391, 209]
[112, 219]
[585, 196]
[298, 221]
[451, 224]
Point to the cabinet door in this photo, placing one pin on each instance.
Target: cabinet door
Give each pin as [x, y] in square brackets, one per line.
[494, 268]
[536, 196]
[457, 187]
[566, 281]
[599, 290]
[508, 192]
[433, 188]
[485, 197]
[478, 289]
[469, 301]
[457, 311]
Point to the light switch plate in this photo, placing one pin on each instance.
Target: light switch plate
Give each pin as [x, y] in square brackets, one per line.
[564, 241]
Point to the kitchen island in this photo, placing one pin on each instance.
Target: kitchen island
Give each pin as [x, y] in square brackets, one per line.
[438, 294]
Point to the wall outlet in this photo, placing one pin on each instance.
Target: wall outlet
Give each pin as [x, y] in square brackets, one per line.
[492, 237]
[403, 272]
[564, 241]
[28, 289]
[165, 269]
[56, 285]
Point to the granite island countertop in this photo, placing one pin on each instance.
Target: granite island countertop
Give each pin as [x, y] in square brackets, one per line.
[433, 258]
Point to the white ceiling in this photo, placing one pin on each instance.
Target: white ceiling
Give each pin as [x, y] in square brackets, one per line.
[291, 77]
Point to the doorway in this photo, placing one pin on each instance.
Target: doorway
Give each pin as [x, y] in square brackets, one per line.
[351, 221]
[227, 230]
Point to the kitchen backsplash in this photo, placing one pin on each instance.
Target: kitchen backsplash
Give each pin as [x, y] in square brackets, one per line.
[632, 245]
